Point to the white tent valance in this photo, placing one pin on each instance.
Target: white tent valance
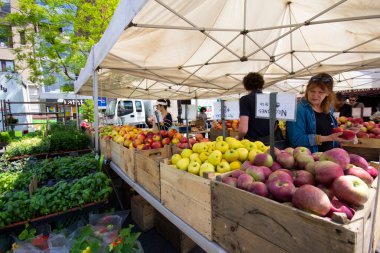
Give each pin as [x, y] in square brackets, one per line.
[182, 49]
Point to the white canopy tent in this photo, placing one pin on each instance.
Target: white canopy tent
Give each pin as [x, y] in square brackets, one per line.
[204, 48]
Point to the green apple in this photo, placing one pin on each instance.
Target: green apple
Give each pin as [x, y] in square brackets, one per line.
[222, 146]
[219, 138]
[206, 167]
[252, 154]
[236, 165]
[186, 153]
[194, 156]
[176, 158]
[183, 163]
[223, 167]
[194, 167]
[243, 154]
[204, 156]
[215, 157]
[231, 155]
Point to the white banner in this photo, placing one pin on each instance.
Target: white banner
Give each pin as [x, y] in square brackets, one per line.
[285, 106]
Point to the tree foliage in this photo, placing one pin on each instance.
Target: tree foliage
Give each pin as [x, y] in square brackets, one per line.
[59, 35]
[88, 110]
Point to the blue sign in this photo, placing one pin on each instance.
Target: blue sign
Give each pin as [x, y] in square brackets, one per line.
[102, 101]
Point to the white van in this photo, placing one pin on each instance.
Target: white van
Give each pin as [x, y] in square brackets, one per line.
[125, 111]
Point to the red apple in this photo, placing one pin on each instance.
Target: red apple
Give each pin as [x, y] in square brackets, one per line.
[337, 130]
[351, 190]
[348, 135]
[230, 181]
[164, 134]
[156, 137]
[300, 150]
[141, 136]
[302, 177]
[280, 190]
[136, 142]
[166, 141]
[372, 171]
[199, 137]
[183, 140]
[171, 133]
[285, 159]
[148, 141]
[280, 174]
[340, 207]
[311, 199]
[326, 172]
[258, 188]
[156, 144]
[360, 173]
[150, 135]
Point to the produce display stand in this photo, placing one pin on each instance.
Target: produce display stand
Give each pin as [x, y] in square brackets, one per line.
[368, 148]
[203, 242]
[244, 222]
[188, 196]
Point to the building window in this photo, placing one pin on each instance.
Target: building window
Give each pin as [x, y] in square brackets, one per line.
[6, 36]
[5, 7]
[22, 38]
[7, 66]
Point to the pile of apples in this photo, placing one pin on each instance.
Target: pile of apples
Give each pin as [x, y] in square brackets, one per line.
[182, 141]
[366, 129]
[319, 183]
[218, 156]
[142, 139]
[230, 124]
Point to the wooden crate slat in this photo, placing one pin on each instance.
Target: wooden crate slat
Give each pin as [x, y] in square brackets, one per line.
[116, 154]
[235, 238]
[292, 229]
[129, 162]
[188, 196]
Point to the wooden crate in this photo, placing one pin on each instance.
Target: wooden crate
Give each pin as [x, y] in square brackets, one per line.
[129, 162]
[244, 222]
[147, 168]
[367, 148]
[143, 214]
[180, 241]
[105, 148]
[176, 150]
[116, 154]
[188, 196]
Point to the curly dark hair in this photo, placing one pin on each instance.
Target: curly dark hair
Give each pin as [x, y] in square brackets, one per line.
[203, 109]
[253, 81]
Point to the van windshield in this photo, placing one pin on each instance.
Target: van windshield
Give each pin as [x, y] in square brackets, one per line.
[110, 110]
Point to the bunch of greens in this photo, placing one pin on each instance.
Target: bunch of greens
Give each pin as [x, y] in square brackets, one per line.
[35, 145]
[19, 206]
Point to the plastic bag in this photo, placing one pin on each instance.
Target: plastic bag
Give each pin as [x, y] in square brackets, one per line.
[58, 243]
[27, 248]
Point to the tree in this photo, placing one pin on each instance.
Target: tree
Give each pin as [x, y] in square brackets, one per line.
[88, 110]
[58, 36]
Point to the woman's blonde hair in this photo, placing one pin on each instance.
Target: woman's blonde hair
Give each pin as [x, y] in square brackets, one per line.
[325, 82]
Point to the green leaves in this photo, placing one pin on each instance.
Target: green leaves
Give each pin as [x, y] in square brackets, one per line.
[88, 110]
[59, 36]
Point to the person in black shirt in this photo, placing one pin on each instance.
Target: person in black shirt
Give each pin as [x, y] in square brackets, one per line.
[250, 127]
[167, 120]
[341, 106]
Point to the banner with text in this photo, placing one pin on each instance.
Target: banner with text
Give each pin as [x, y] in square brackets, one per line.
[285, 106]
[231, 110]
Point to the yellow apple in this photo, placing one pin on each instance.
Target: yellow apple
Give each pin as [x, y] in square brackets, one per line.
[223, 167]
[219, 138]
[222, 146]
[194, 167]
[186, 153]
[236, 165]
[231, 155]
[206, 167]
[243, 154]
[252, 155]
[215, 157]
[204, 156]
[183, 163]
[176, 158]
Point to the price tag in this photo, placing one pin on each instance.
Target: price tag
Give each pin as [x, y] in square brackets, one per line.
[285, 106]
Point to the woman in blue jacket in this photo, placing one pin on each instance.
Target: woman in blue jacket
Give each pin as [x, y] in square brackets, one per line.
[315, 120]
